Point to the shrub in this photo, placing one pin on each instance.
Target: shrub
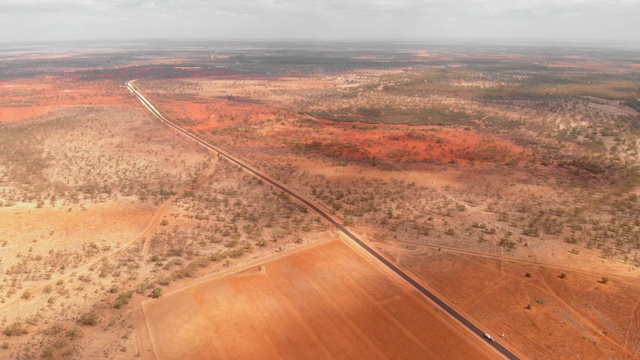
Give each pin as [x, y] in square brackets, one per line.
[89, 318]
[563, 276]
[123, 299]
[142, 288]
[54, 329]
[605, 280]
[74, 332]
[156, 293]
[48, 353]
[15, 329]
[236, 253]
[187, 271]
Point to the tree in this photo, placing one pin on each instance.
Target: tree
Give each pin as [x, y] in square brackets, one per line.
[605, 280]
[563, 276]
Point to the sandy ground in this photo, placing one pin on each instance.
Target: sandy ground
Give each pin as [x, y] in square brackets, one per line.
[107, 223]
[323, 302]
[576, 315]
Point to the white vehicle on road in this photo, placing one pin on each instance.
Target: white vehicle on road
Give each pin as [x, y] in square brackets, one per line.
[489, 337]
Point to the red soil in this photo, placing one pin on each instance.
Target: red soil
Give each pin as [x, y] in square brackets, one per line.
[323, 302]
[202, 115]
[27, 98]
[576, 317]
[404, 143]
[280, 128]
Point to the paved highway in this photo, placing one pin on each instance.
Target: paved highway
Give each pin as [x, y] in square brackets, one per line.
[309, 203]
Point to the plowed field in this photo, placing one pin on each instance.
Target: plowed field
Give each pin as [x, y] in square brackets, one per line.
[321, 303]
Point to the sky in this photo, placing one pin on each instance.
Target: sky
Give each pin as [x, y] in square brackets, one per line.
[503, 20]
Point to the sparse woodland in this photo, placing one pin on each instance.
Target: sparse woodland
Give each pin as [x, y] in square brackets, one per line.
[586, 146]
[103, 207]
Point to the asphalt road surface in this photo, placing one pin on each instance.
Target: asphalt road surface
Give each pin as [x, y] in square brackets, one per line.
[475, 329]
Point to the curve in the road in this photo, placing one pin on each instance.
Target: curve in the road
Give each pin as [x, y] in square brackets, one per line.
[455, 314]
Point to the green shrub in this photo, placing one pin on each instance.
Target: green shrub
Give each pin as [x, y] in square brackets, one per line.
[236, 253]
[123, 299]
[156, 293]
[74, 332]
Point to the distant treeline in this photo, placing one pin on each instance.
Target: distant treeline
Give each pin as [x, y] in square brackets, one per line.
[391, 115]
[633, 103]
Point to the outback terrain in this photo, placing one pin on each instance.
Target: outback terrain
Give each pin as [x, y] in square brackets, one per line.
[506, 180]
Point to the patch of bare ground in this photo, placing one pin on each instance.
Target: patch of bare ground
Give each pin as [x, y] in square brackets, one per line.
[322, 302]
[546, 311]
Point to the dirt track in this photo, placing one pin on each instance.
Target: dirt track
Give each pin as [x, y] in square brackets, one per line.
[401, 246]
[595, 319]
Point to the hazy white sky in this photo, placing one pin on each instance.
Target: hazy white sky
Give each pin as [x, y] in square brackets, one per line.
[41, 20]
